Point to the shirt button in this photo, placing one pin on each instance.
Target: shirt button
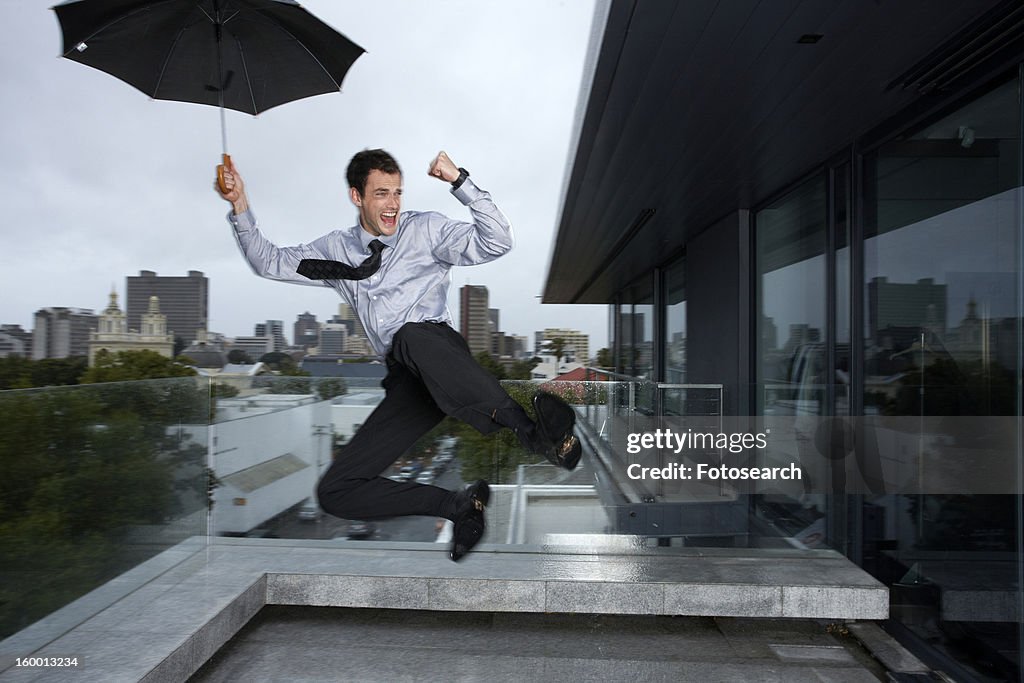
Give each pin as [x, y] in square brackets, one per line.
[380, 320]
[375, 298]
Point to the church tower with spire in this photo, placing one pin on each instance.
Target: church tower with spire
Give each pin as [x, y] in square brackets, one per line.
[113, 334]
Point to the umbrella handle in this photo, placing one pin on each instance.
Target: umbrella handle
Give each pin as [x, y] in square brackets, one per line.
[220, 173]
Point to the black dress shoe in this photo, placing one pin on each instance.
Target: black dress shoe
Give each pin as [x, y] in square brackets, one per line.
[469, 518]
[555, 421]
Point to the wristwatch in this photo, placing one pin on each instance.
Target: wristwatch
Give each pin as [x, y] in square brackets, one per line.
[463, 174]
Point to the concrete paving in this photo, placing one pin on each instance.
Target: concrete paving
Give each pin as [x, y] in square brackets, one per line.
[367, 645]
[170, 615]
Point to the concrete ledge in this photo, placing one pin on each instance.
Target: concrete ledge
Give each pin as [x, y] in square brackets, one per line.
[174, 620]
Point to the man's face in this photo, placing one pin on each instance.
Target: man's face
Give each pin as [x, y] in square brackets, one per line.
[380, 203]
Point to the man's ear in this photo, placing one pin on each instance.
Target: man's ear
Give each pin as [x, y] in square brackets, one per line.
[356, 198]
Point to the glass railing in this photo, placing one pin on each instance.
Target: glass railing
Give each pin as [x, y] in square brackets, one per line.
[99, 478]
[95, 480]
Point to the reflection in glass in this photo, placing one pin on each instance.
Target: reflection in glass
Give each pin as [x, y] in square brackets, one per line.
[675, 323]
[941, 338]
[94, 480]
[790, 236]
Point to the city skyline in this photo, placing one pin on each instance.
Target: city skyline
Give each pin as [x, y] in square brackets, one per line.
[254, 327]
[103, 181]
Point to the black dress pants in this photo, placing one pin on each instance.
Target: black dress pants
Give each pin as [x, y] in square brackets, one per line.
[431, 373]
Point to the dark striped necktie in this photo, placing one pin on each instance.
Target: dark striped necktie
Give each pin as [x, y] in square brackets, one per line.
[324, 269]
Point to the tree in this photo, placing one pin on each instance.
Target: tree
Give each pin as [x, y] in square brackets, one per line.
[492, 366]
[329, 387]
[23, 373]
[81, 468]
[125, 366]
[223, 390]
[604, 359]
[239, 357]
[557, 346]
[283, 364]
[523, 369]
[288, 385]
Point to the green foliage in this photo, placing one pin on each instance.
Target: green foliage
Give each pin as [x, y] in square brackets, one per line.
[287, 385]
[522, 369]
[222, 390]
[329, 387]
[80, 468]
[239, 357]
[604, 359]
[126, 366]
[23, 373]
[283, 364]
[557, 346]
[492, 366]
[495, 456]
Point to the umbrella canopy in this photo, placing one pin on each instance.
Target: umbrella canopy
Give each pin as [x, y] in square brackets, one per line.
[247, 55]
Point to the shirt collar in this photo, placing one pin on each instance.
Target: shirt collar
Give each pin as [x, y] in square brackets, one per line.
[365, 238]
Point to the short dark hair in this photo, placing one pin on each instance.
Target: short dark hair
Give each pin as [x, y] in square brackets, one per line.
[369, 160]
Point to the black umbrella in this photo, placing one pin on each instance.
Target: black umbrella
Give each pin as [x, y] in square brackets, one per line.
[247, 55]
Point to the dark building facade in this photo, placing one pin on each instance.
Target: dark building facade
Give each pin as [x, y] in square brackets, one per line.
[184, 300]
[306, 330]
[474, 319]
[817, 206]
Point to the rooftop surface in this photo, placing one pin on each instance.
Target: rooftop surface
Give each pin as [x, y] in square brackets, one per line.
[164, 619]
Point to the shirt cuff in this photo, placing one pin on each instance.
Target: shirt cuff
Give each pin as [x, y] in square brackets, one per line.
[242, 221]
[467, 192]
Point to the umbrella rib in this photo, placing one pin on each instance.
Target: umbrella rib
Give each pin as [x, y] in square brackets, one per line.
[167, 59]
[114, 21]
[245, 69]
[285, 30]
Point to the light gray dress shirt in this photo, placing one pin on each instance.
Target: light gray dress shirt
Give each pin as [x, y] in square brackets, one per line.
[412, 283]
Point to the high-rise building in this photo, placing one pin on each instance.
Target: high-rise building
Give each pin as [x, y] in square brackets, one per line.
[577, 344]
[333, 339]
[920, 304]
[184, 300]
[14, 341]
[474, 319]
[347, 316]
[61, 332]
[255, 347]
[273, 329]
[306, 330]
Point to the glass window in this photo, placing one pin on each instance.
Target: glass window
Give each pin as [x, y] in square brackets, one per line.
[675, 323]
[941, 338]
[791, 292]
[636, 330]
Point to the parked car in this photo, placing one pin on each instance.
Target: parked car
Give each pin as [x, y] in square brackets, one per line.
[310, 511]
[425, 478]
[408, 472]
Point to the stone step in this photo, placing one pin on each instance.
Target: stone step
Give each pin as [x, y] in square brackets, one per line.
[175, 619]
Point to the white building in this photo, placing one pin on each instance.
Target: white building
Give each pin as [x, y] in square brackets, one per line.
[268, 453]
[114, 336]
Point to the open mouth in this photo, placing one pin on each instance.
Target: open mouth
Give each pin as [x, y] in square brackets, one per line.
[389, 218]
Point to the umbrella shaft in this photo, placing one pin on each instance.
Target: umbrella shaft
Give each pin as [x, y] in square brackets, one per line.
[220, 78]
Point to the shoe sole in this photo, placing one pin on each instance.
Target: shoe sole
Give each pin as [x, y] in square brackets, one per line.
[466, 537]
[468, 533]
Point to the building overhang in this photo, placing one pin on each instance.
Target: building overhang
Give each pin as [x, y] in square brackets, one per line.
[694, 110]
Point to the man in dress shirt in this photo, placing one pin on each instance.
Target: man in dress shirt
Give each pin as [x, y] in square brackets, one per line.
[400, 297]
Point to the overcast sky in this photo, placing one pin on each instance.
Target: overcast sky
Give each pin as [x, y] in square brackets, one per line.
[99, 182]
